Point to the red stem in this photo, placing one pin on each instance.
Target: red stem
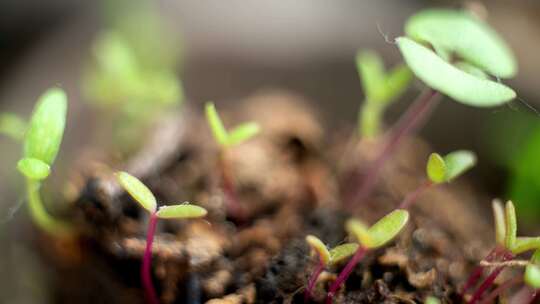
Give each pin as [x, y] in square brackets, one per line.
[525, 295]
[312, 281]
[234, 209]
[146, 276]
[478, 271]
[499, 290]
[488, 282]
[411, 120]
[344, 274]
[411, 197]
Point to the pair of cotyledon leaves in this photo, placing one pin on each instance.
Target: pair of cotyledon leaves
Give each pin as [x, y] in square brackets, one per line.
[472, 45]
[147, 200]
[380, 233]
[43, 135]
[444, 169]
[224, 138]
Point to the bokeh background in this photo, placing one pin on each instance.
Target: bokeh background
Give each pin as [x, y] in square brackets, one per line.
[227, 50]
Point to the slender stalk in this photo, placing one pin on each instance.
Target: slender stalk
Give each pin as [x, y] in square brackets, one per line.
[478, 271]
[344, 274]
[312, 280]
[488, 282]
[234, 209]
[39, 214]
[499, 290]
[411, 120]
[411, 197]
[146, 275]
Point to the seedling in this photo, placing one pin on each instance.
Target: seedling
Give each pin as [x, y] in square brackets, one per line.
[442, 170]
[225, 141]
[378, 235]
[432, 300]
[380, 90]
[326, 258]
[41, 139]
[142, 195]
[466, 53]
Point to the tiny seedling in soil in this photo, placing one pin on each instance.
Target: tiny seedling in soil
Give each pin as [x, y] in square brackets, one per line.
[382, 232]
[227, 139]
[140, 193]
[41, 138]
[441, 170]
[455, 54]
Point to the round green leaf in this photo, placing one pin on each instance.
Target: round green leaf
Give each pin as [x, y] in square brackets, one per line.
[458, 162]
[46, 126]
[360, 231]
[466, 36]
[387, 228]
[343, 251]
[182, 211]
[436, 168]
[137, 190]
[33, 168]
[432, 300]
[319, 247]
[446, 78]
[532, 276]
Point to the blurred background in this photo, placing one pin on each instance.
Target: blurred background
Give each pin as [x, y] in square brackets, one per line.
[183, 53]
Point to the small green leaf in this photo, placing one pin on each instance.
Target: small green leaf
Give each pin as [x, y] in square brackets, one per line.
[432, 300]
[524, 244]
[500, 225]
[511, 225]
[448, 79]
[388, 227]
[182, 211]
[371, 70]
[341, 252]
[466, 36]
[34, 168]
[532, 276]
[138, 191]
[436, 168]
[360, 231]
[458, 162]
[46, 126]
[319, 248]
[242, 133]
[12, 126]
[471, 69]
[215, 123]
[397, 81]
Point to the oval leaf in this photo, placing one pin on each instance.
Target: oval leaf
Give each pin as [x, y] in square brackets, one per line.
[387, 228]
[319, 248]
[46, 126]
[500, 225]
[360, 232]
[511, 225]
[182, 211]
[446, 78]
[242, 133]
[466, 36]
[436, 168]
[343, 251]
[371, 70]
[216, 125]
[33, 168]
[458, 162]
[137, 190]
[532, 276]
[13, 126]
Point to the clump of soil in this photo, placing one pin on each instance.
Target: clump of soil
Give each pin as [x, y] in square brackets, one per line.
[288, 181]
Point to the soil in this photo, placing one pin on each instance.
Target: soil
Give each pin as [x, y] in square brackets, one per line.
[289, 180]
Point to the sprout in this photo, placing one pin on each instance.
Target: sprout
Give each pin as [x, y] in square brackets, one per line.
[227, 140]
[41, 138]
[442, 170]
[378, 235]
[380, 90]
[532, 271]
[142, 195]
[432, 300]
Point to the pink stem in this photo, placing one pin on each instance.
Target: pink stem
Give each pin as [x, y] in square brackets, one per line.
[344, 274]
[499, 290]
[478, 271]
[488, 282]
[234, 209]
[312, 281]
[411, 197]
[525, 295]
[146, 276]
[414, 116]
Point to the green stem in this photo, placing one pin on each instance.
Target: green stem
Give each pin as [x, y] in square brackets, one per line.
[370, 119]
[40, 216]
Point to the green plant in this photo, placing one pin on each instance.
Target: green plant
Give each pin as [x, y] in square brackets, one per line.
[225, 141]
[465, 52]
[380, 90]
[142, 195]
[41, 138]
[442, 170]
[432, 300]
[378, 235]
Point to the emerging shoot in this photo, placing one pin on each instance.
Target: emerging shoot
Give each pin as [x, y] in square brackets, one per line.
[12, 126]
[142, 195]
